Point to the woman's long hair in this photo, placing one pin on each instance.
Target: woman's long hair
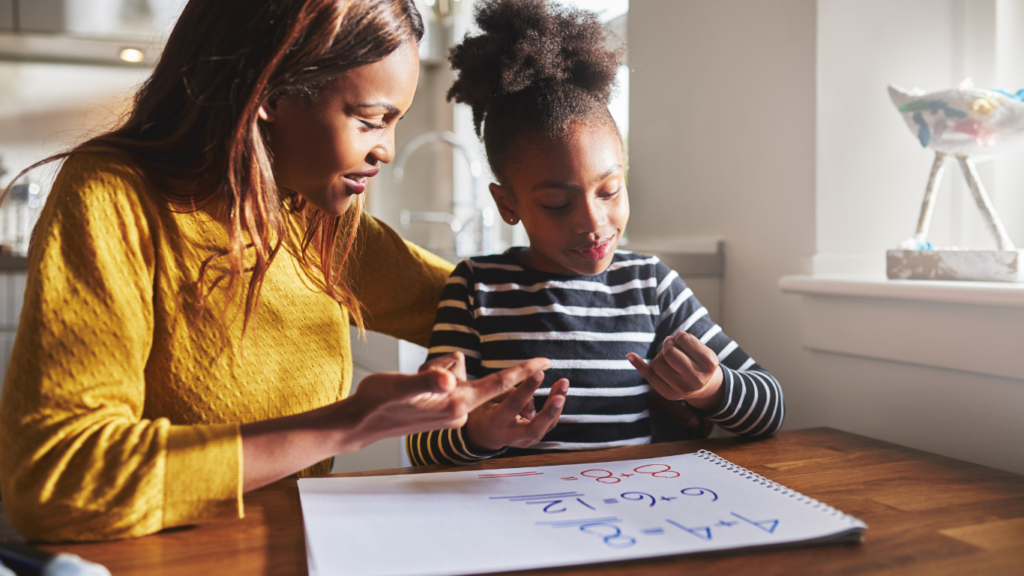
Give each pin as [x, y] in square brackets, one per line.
[193, 134]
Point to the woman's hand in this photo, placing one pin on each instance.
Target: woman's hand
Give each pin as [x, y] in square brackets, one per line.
[685, 369]
[511, 420]
[384, 405]
[439, 396]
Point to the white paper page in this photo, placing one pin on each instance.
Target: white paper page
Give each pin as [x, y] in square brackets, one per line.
[521, 518]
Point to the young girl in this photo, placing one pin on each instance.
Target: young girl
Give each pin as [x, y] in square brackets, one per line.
[539, 78]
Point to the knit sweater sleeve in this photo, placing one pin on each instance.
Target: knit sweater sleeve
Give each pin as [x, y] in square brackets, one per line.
[753, 405]
[398, 283]
[77, 459]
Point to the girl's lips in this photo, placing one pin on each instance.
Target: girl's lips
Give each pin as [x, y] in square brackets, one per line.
[596, 251]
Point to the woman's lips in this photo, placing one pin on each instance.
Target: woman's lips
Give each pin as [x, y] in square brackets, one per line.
[596, 251]
[356, 183]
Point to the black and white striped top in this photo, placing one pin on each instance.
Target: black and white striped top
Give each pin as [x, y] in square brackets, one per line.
[499, 313]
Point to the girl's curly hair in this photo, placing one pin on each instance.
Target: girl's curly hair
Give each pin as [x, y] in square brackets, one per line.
[535, 68]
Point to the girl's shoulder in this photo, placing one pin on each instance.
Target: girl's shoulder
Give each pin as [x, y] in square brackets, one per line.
[638, 263]
[501, 268]
[492, 263]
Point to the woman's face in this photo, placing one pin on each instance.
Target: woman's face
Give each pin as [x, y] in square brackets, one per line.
[325, 147]
[571, 197]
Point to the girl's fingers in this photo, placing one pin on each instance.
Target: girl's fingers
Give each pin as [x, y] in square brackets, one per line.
[521, 398]
[678, 367]
[702, 356]
[652, 377]
[547, 418]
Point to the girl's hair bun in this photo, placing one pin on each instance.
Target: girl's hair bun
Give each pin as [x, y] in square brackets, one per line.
[535, 65]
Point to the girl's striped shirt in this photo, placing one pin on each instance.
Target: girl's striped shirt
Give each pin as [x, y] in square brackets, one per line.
[499, 313]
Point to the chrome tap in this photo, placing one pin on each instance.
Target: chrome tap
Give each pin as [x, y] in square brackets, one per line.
[482, 221]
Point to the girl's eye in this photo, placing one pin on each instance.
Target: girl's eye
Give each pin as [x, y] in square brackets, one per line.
[556, 208]
[612, 194]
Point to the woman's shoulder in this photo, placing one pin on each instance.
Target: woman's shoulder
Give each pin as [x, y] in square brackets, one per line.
[87, 167]
[95, 194]
[89, 178]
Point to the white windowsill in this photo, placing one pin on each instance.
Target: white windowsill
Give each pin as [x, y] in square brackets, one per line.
[1004, 294]
[967, 326]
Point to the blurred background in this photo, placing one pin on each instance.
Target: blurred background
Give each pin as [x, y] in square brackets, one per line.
[767, 165]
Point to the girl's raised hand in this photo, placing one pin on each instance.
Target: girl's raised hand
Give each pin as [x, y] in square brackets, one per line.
[685, 369]
[512, 420]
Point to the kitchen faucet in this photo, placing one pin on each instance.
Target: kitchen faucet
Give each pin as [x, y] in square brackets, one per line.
[481, 223]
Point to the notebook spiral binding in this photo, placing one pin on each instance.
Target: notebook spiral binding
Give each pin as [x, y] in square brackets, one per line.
[758, 479]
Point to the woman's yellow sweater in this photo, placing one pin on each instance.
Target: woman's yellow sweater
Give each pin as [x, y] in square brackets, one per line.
[121, 409]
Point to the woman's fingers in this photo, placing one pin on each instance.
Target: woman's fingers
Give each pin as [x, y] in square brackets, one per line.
[486, 388]
[454, 363]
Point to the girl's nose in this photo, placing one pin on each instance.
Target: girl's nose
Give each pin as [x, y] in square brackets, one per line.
[592, 217]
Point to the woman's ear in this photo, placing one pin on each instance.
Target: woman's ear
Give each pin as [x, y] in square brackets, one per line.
[268, 110]
[506, 206]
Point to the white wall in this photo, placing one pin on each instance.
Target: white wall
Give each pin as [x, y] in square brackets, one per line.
[722, 116]
[767, 123]
[871, 170]
[46, 108]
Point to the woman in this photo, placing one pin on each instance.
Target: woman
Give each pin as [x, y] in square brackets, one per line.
[192, 279]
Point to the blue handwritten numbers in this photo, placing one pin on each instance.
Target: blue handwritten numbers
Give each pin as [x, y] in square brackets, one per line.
[686, 513]
[699, 492]
[604, 528]
[768, 526]
[638, 496]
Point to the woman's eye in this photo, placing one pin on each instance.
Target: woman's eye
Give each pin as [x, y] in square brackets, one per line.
[373, 126]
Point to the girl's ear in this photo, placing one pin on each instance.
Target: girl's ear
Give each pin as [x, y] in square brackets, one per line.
[506, 206]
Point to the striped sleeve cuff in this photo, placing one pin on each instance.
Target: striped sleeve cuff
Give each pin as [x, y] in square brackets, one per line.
[445, 447]
[753, 405]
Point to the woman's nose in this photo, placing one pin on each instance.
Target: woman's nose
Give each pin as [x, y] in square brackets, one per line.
[384, 151]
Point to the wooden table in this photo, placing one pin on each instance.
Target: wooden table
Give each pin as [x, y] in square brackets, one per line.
[926, 514]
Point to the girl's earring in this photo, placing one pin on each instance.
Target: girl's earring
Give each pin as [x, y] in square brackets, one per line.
[512, 220]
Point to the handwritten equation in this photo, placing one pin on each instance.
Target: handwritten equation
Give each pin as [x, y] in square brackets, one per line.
[508, 519]
[608, 528]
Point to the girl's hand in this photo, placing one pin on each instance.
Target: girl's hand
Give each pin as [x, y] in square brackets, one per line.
[512, 420]
[685, 369]
[437, 397]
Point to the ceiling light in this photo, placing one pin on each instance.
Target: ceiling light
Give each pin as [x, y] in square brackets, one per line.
[131, 55]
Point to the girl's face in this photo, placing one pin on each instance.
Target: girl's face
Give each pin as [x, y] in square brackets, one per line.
[326, 147]
[571, 197]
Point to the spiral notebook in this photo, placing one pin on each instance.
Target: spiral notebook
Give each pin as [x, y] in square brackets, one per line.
[479, 521]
